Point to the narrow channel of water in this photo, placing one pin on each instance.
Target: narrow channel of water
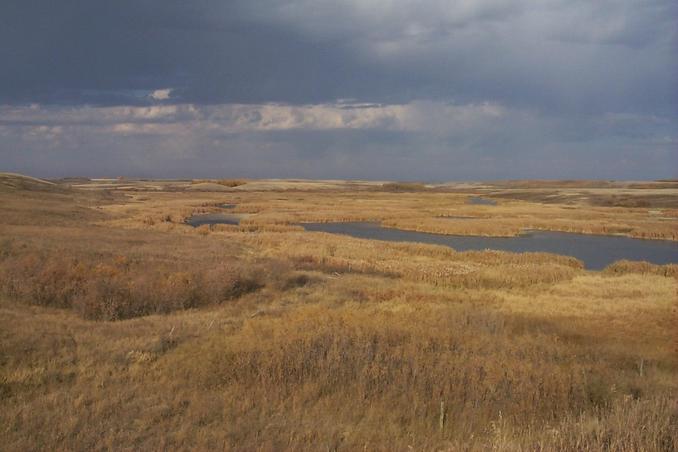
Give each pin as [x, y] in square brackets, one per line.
[212, 218]
[476, 200]
[595, 251]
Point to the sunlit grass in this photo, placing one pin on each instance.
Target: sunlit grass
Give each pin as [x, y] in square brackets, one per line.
[122, 328]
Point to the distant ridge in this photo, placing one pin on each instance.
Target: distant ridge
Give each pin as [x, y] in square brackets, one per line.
[15, 182]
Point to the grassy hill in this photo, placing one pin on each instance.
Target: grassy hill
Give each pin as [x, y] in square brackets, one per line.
[144, 333]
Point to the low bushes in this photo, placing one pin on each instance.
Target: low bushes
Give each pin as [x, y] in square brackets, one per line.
[118, 288]
[224, 182]
[403, 187]
[624, 266]
[629, 425]
[480, 364]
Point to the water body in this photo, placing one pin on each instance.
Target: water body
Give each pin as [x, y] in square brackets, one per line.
[212, 218]
[482, 201]
[595, 251]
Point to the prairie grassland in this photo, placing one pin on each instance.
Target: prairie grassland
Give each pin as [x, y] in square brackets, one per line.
[122, 328]
[427, 211]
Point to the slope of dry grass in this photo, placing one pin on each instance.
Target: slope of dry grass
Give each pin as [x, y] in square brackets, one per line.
[266, 337]
[424, 211]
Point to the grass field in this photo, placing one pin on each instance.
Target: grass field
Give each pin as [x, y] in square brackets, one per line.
[123, 328]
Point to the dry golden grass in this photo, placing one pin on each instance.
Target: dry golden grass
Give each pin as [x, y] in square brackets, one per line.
[425, 211]
[224, 182]
[265, 337]
[403, 186]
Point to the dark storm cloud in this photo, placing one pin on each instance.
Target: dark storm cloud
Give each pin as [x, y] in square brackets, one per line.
[431, 89]
[99, 52]
[572, 55]
[430, 141]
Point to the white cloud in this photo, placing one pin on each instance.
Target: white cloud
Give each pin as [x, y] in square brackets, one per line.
[161, 94]
[414, 140]
[233, 118]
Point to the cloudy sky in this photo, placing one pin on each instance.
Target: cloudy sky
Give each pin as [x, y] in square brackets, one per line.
[376, 89]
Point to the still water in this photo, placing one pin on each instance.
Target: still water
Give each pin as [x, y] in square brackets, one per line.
[595, 251]
[212, 218]
[481, 201]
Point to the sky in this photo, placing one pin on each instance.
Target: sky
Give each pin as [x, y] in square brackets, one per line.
[427, 90]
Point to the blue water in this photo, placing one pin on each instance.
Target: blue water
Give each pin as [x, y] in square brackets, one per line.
[481, 201]
[595, 251]
[212, 218]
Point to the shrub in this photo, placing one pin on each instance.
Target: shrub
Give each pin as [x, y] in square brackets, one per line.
[108, 299]
[623, 266]
[403, 186]
[119, 288]
[224, 182]
[402, 360]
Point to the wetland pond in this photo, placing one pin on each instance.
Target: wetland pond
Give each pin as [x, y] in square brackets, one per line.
[595, 251]
[478, 201]
[212, 218]
[215, 218]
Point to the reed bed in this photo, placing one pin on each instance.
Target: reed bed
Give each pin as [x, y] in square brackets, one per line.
[511, 227]
[143, 333]
[123, 288]
[423, 211]
[431, 264]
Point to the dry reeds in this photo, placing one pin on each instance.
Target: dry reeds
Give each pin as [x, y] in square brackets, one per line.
[224, 182]
[265, 337]
[124, 288]
[625, 266]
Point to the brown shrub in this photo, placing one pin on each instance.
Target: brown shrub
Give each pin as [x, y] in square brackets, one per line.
[120, 288]
[6, 248]
[623, 266]
[403, 186]
[46, 281]
[629, 425]
[224, 182]
[109, 299]
[229, 281]
[409, 362]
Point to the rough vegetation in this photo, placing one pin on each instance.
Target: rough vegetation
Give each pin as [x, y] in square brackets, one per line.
[403, 186]
[224, 182]
[123, 328]
[124, 288]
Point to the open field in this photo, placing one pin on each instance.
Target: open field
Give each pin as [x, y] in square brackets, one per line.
[121, 327]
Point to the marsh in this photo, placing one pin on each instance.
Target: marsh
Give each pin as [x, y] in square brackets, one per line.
[595, 251]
